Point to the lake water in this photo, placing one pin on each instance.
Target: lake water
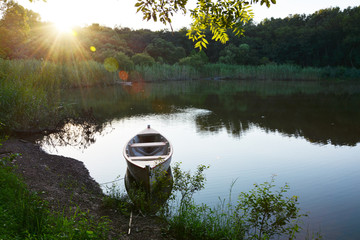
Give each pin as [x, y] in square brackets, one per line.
[306, 133]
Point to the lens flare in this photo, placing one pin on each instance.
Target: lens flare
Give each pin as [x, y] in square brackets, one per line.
[93, 49]
[111, 64]
[123, 75]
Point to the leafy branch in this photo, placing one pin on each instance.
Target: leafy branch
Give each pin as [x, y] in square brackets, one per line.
[219, 16]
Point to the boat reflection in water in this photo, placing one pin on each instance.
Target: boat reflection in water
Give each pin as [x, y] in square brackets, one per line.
[149, 200]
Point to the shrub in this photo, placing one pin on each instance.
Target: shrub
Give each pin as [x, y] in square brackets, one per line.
[196, 60]
[125, 63]
[262, 213]
[143, 59]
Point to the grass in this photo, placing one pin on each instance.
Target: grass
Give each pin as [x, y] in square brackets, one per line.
[23, 215]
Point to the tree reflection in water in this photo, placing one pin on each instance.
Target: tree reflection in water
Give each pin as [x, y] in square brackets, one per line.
[319, 118]
[321, 113]
[76, 133]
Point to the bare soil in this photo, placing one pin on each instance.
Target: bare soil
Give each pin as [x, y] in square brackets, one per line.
[65, 182]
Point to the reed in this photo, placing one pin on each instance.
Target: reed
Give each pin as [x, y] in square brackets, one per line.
[262, 72]
[30, 90]
[271, 72]
[164, 72]
[52, 76]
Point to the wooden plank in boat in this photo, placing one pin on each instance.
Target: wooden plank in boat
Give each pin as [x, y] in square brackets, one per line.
[148, 144]
[148, 158]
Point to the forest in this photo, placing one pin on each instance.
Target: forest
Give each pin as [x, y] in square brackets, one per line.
[326, 38]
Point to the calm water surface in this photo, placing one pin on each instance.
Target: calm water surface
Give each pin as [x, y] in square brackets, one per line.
[307, 134]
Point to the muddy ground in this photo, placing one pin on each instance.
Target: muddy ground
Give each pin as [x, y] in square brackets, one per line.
[65, 182]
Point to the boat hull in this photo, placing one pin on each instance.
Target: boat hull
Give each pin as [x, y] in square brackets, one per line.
[147, 175]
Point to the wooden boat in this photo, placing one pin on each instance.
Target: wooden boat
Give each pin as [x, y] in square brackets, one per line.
[147, 154]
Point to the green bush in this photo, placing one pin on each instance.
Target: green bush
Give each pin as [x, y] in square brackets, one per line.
[143, 59]
[125, 63]
[196, 60]
[262, 213]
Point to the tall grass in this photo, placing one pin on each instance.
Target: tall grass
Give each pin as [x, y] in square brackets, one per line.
[30, 90]
[263, 72]
[23, 215]
[163, 72]
[52, 76]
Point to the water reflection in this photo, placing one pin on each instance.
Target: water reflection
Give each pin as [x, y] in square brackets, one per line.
[149, 200]
[321, 118]
[78, 134]
[320, 114]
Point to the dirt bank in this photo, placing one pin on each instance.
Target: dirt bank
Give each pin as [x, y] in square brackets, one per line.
[65, 182]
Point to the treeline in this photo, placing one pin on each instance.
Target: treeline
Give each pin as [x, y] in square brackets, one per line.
[329, 37]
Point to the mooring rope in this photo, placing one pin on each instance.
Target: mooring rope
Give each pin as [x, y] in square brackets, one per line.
[112, 181]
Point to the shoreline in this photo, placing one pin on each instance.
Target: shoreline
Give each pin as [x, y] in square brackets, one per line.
[65, 182]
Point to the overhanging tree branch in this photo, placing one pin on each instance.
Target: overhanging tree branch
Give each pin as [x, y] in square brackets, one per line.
[219, 16]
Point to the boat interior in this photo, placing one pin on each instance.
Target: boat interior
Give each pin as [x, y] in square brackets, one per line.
[148, 146]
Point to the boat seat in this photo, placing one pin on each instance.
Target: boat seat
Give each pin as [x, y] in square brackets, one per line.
[148, 144]
[148, 158]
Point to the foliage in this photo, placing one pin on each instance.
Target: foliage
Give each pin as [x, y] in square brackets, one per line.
[14, 29]
[263, 213]
[266, 213]
[218, 16]
[229, 54]
[167, 51]
[241, 55]
[196, 60]
[143, 59]
[187, 184]
[125, 63]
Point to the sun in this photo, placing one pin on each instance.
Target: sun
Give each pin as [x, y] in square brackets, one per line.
[64, 14]
[64, 27]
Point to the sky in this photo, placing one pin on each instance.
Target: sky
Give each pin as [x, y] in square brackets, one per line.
[122, 13]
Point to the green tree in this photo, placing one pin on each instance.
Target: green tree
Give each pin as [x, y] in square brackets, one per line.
[14, 29]
[167, 51]
[351, 41]
[229, 54]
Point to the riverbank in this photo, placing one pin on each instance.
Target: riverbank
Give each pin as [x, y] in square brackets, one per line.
[65, 182]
